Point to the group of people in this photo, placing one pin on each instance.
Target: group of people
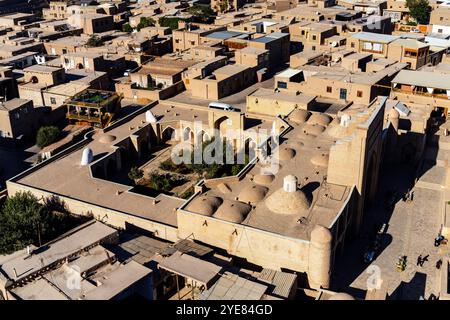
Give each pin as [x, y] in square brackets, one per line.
[402, 262]
[421, 260]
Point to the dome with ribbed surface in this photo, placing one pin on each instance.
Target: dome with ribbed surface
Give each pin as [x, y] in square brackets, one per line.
[263, 179]
[320, 118]
[299, 116]
[296, 144]
[313, 129]
[337, 131]
[106, 138]
[204, 205]
[252, 194]
[288, 202]
[320, 160]
[341, 296]
[284, 153]
[233, 211]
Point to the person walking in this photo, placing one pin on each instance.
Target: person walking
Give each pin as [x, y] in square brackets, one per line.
[439, 264]
[419, 260]
[424, 259]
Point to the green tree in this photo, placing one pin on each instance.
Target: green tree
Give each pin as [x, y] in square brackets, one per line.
[171, 23]
[161, 182]
[201, 12]
[127, 28]
[94, 41]
[235, 169]
[25, 221]
[46, 136]
[135, 174]
[419, 10]
[144, 23]
[223, 5]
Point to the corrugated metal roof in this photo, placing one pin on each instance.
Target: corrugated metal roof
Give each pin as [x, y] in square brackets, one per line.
[224, 34]
[190, 267]
[282, 282]
[233, 287]
[192, 248]
[410, 43]
[423, 79]
[375, 37]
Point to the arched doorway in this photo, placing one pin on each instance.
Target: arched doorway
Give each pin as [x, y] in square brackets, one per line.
[188, 135]
[34, 79]
[202, 136]
[250, 148]
[221, 125]
[168, 134]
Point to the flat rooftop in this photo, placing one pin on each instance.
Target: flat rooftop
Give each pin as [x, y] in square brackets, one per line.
[18, 57]
[375, 37]
[410, 43]
[68, 89]
[339, 73]
[12, 104]
[65, 176]
[38, 68]
[224, 34]
[324, 209]
[251, 50]
[84, 54]
[423, 79]
[24, 265]
[301, 99]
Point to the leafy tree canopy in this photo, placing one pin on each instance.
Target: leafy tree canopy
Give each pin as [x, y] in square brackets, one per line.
[24, 221]
[171, 23]
[202, 12]
[419, 10]
[94, 41]
[127, 28]
[135, 174]
[46, 136]
[145, 22]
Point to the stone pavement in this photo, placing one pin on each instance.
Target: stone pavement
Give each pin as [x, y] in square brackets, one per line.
[411, 230]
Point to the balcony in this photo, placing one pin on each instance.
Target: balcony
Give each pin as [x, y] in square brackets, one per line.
[81, 117]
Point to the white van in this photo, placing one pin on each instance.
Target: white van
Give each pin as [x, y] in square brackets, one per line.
[221, 106]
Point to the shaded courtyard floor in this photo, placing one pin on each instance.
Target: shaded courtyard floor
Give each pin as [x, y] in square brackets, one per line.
[411, 230]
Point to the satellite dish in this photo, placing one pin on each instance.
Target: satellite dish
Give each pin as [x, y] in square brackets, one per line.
[334, 44]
